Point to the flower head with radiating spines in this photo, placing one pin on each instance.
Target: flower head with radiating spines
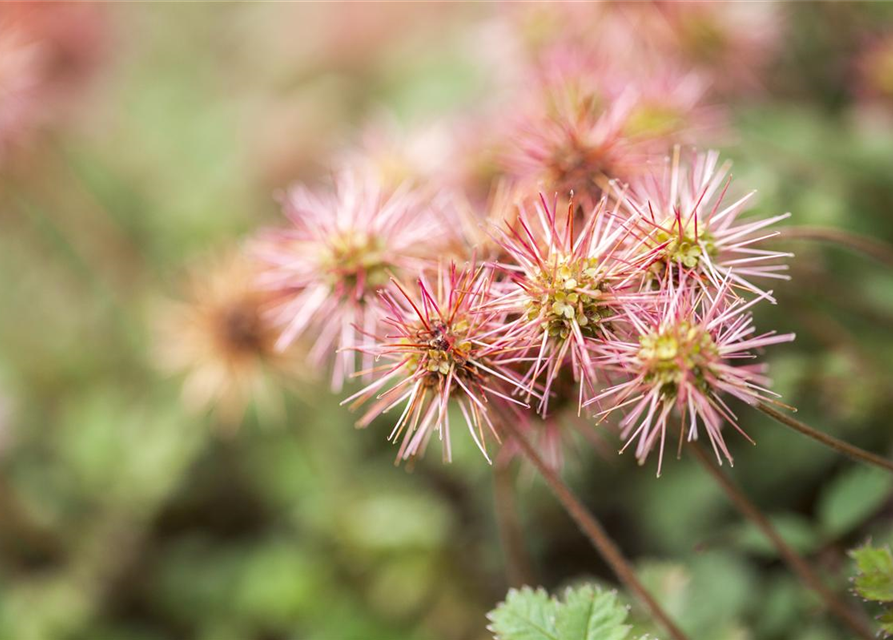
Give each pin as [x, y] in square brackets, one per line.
[570, 135]
[685, 220]
[442, 348]
[564, 288]
[680, 361]
[341, 250]
[219, 338]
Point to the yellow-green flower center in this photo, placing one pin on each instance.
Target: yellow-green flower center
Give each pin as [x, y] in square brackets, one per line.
[569, 292]
[654, 119]
[685, 247]
[675, 353]
[353, 258]
[702, 38]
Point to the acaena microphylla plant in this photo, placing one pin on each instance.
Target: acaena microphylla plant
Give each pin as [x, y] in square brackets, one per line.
[680, 361]
[442, 345]
[684, 217]
[565, 283]
[342, 247]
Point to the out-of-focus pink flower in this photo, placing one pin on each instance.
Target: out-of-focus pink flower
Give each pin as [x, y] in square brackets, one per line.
[20, 81]
[590, 120]
[570, 132]
[74, 35]
[565, 286]
[219, 338]
[442, 347]
[875, 71]
[343, 246]
[679, 363]
[47, 51]
[602, 29]
[684, 219]
[420, 156]
[671, 107]
[732, 41]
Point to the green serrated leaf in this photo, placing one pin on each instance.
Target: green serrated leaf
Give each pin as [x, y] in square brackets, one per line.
[525, 615]
[586, 613]
[590, 614]
[875, 578]
[851, 498]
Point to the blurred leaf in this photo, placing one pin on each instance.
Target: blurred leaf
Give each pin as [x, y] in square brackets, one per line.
[886, 620]
[586, 613]
[853, 496]
[796, 530]
[690, 594]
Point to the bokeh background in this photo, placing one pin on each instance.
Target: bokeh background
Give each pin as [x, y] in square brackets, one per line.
[125, 516]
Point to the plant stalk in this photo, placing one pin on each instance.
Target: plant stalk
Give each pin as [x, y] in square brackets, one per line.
[794, 560]
[596, 534]
[845, 448]
[880, 251]
[518, 565]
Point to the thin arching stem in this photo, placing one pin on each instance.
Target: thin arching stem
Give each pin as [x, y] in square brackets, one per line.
[518, 565]
[880, 251]
[594, 531]
[795, 561]
[829, 441]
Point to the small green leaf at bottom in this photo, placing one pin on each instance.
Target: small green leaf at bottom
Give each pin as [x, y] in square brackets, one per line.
[585, 613]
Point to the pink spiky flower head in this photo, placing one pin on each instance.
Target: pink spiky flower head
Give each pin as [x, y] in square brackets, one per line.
[680, 363]
[327, 268]
[564, 286]
[441, 348]
[595, 120]
[684, 219]
[570, 135]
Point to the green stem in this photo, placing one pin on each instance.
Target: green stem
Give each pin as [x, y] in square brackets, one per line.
[845, 448]
[794, 560]
[594, 531]
[517, 560]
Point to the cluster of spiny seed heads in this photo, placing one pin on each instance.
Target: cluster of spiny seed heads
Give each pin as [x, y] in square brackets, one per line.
[573, 253]
[641, 295]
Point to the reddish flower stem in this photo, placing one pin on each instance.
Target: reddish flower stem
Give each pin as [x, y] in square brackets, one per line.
[880, 251]
[594, 531]
[795, 561]
[845, 448]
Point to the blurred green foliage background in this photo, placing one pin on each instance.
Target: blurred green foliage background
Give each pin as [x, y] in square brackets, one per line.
[122, 516]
